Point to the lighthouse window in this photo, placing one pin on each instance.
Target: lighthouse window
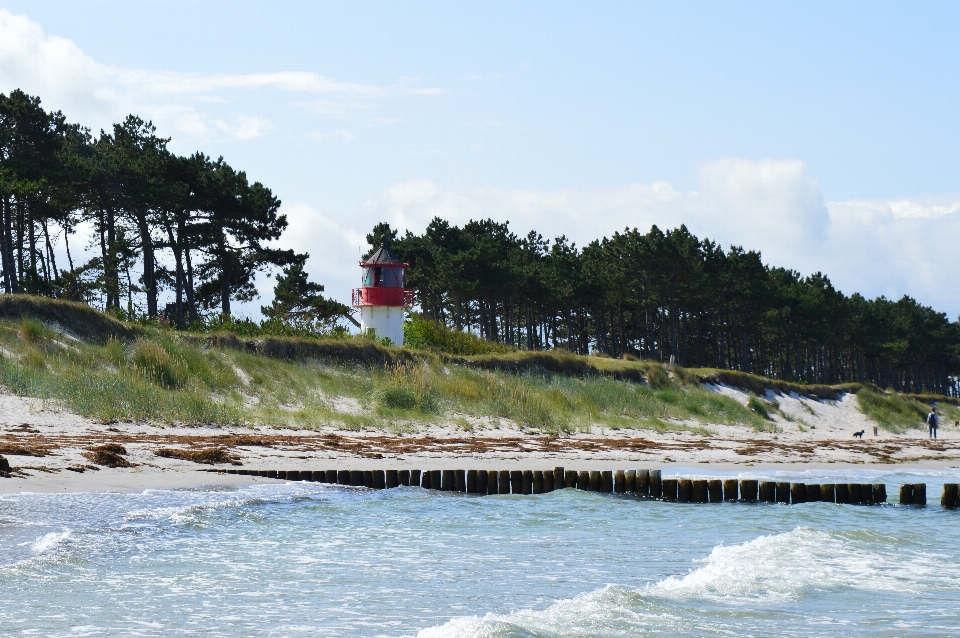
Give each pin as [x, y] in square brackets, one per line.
[392, 277]
[379, 276]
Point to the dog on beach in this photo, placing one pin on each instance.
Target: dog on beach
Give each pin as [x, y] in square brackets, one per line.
[858, 435]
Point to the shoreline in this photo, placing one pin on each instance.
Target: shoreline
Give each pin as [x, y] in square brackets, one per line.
[53, 451]
[133, 480]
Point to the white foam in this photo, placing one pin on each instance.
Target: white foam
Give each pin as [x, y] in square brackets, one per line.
[763, 572]
[49, 542]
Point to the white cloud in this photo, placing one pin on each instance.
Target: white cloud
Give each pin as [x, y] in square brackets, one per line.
[871, 247]
[56, 69]
[172, 83]
[342, 134]
[97, 95]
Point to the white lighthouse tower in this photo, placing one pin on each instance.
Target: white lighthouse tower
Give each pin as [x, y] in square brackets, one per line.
[382, 300]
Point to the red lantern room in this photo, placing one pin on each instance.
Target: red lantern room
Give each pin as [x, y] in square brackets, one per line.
[382, 300]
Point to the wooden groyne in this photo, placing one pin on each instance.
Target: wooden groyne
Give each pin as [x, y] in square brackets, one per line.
[642, 483]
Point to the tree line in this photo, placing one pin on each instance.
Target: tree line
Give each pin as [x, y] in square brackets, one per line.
[671, 297]
[193, 226]
[198, 231]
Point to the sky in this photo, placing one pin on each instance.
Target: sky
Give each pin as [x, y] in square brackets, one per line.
[822, 134]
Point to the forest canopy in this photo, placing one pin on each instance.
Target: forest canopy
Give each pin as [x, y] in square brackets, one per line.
[193, 226]
[670, 296]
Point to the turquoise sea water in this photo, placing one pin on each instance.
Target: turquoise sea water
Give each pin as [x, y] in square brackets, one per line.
[309, 559]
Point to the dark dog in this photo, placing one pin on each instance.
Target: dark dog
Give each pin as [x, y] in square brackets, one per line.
[859, 434]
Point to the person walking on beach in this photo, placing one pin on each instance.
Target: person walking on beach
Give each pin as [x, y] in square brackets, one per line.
[932, 419]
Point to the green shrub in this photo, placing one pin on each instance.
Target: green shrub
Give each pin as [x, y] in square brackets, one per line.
[156, 364]
[423, 334]
[658, 379]
[396, 398]
[32, 330]
[114, 351]
[759, 406]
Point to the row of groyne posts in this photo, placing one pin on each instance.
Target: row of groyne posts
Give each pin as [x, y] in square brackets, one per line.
[644, 483]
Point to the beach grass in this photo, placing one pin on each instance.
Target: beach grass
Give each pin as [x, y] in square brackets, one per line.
[893, 412]
[162, 378]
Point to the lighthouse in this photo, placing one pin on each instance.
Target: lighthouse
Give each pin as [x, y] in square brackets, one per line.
[383, 299]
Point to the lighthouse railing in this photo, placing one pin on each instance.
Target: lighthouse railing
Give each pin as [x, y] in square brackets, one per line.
[383, 296]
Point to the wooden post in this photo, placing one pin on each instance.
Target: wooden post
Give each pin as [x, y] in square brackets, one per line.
[879, 493]
[594, 480]
[459, 481]
[282, 475]
[516, 482]
[699, 494]
[503, 481]
[472, 482]
[343, 477]
[620, 482]
[919, 493]
[559, 479]
[479, 482]
[768, 492]
[630, 482]
[426, 481]
[856, 494]
[783, 492]
[843, 493]
[548, 481]
[583, 481]
[643, 482]
[493, 482]
[828, 493]
[379, 480]
[368, 479]
[730, 491]
[798, 493]
[293, 475]
[906, 494]
[749, 490]
[715, 489]
[570, 480]
[528, 481]
[606, 481]
[950, 496]
[669, 489]
[331, 476]
[656, 484]
[403, 477]
[537, 482]
[446, 480]
[415, 478]
[318, 476]
[436, 479]
[356, 478]
[866, 493]
[684, 490]
[813, 492]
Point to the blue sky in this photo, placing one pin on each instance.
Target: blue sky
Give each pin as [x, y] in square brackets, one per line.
[823, 134]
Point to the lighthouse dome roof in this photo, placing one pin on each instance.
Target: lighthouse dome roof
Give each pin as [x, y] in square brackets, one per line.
[383, 256]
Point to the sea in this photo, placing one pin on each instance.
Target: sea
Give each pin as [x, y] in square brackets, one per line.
[289, 559]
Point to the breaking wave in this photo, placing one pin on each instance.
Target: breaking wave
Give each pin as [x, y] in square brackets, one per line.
[737, 580]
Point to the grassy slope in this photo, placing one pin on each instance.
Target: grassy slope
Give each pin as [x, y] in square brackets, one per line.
[108, 370]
